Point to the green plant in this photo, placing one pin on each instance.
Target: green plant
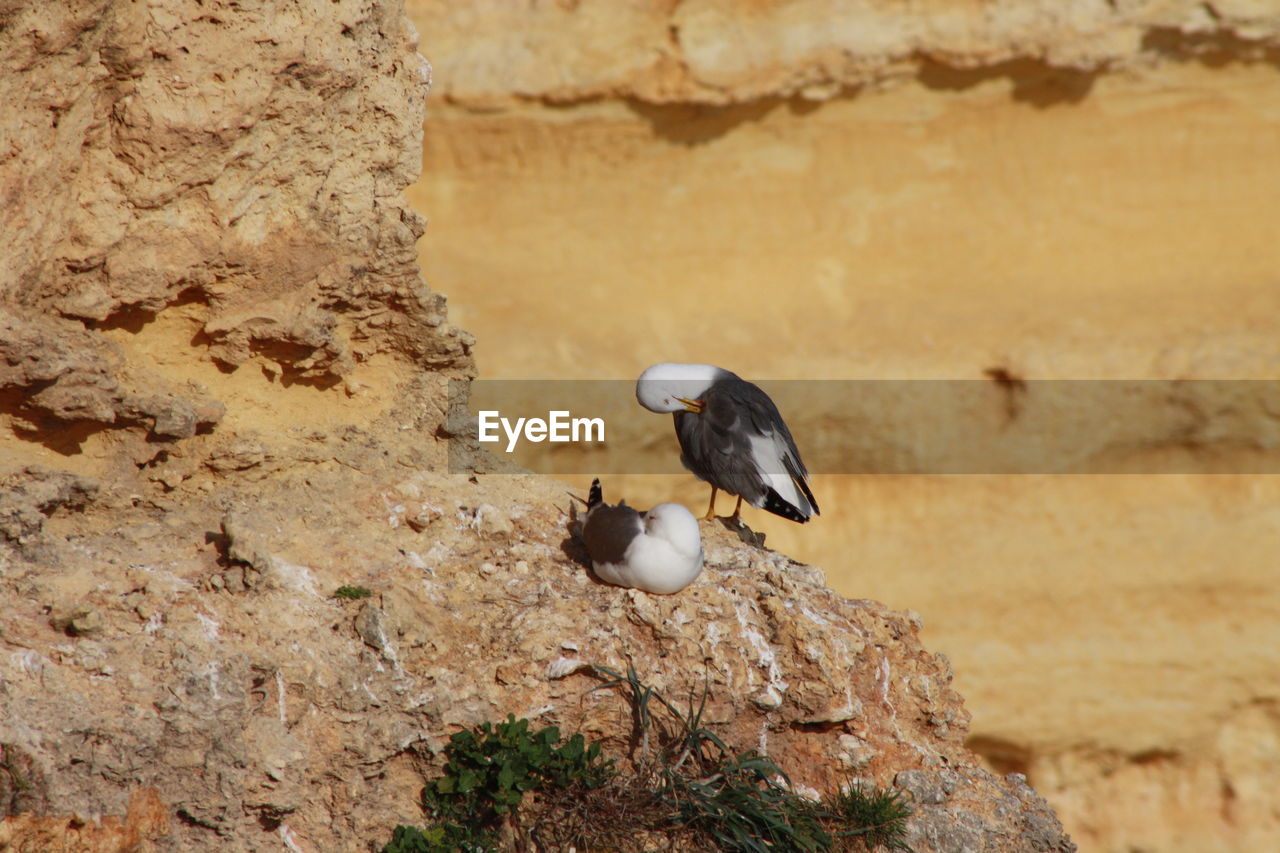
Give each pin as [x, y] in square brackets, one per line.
[352, 593]
[491, 767]
[686, 785]
[410, 839]
[870, 818]
[489, 770]
[735, 802]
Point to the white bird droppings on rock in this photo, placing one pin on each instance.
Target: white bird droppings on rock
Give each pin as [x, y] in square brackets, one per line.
[492, 521]
[562, 667]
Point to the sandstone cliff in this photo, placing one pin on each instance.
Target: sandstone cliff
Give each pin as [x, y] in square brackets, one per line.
[720, 52]
[242, 180]
[930, 190]
[220, 678]
[222, 384]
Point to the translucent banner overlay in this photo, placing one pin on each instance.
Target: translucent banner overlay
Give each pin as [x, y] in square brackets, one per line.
[1001, 425]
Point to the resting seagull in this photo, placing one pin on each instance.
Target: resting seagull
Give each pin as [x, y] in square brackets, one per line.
[731, 436]
[657, 551]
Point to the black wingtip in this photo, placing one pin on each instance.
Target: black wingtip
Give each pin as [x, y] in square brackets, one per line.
[596, 495]
[799, 478]
[808, 494]
[774, 503]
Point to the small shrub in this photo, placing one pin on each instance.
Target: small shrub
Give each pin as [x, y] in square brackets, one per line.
[688, 788]
[352, 593]
[728, 802]
[869, 819]
[410, 839]
[489, 770]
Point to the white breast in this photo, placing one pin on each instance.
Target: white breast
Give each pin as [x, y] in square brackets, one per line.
[664, 559]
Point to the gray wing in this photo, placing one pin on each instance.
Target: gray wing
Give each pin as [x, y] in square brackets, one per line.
[716, 445]
[765, 417]
[609, 530]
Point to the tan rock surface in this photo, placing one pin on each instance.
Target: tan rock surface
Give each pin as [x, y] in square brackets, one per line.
[223, 386]
[147, 818]
[736, 51]
[927, 190]
[159, 160]
[219, 672]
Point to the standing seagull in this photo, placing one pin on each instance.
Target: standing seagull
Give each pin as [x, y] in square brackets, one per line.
[731, 436]
[657, 551]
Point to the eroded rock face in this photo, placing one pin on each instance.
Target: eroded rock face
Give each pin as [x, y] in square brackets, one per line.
[734, 51]
[56, 373]
[245, 164]
[224, 676]
[221, 382]
[931, 190]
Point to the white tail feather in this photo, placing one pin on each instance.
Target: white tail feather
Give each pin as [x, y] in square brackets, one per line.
[767, 452]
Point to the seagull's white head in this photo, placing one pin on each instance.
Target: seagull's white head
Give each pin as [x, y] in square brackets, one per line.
[672, 387]
[674, 523]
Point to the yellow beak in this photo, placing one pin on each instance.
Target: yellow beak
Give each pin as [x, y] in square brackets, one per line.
[694, 406]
